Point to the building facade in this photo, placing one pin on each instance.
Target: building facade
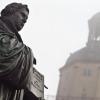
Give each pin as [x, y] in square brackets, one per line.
[80, 76]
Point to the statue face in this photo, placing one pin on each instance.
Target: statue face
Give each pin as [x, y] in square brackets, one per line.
[19, 19]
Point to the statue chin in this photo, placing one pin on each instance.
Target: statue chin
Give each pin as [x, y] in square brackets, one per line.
[19, 27]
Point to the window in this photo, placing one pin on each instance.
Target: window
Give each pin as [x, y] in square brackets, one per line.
[87, 72]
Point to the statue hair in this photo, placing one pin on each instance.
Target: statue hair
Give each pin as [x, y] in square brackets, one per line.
[12, 8]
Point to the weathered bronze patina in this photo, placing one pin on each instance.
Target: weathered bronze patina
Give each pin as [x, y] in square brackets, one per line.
[16, 59]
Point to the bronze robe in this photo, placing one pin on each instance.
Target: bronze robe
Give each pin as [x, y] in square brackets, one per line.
[16, 60]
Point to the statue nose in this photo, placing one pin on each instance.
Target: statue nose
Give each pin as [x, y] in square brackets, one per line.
[24, 20]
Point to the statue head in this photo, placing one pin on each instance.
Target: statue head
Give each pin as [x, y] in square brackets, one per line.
[16, 13]
[13, 8]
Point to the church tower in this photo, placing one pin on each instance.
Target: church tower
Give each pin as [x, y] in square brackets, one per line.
[80, 76]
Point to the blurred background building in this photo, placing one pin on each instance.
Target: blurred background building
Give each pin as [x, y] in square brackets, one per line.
[80, 76]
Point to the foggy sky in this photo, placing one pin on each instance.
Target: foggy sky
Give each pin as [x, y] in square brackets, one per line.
[54, 30]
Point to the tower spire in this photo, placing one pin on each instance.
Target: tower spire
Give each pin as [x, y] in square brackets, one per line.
[94, 29]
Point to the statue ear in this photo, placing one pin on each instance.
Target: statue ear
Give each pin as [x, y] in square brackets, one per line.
[34, 61]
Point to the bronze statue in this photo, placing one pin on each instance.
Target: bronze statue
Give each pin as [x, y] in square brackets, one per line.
[16, 59]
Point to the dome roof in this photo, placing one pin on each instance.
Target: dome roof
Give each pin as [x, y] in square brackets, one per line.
[90, 53]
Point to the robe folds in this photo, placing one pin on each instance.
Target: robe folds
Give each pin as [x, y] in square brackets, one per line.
[16, 61]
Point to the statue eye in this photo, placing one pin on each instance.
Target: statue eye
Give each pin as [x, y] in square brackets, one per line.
[23, 15]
